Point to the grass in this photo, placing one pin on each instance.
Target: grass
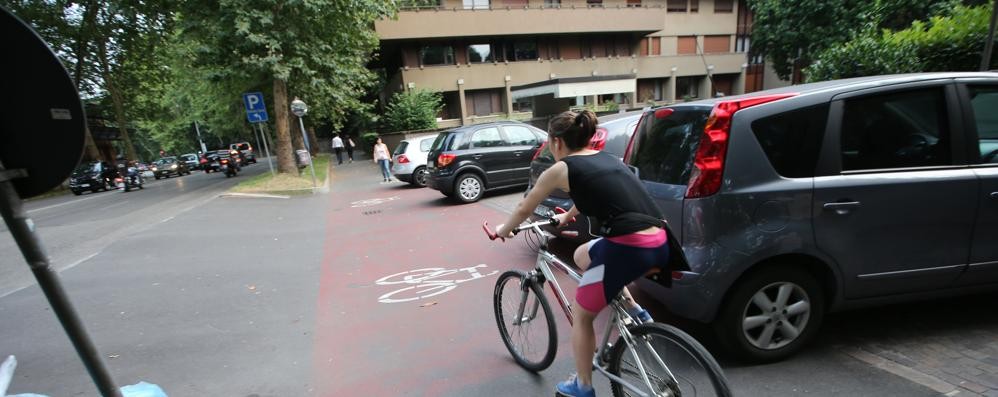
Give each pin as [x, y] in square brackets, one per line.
[287, 183]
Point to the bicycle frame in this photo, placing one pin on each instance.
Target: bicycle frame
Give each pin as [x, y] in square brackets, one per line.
[619, 320]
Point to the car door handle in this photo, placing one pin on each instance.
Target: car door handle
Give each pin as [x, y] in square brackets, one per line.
[841, 207]
[994, 195]
[517, 154]
[477, 156]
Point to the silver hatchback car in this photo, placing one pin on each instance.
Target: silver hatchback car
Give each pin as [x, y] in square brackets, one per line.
[410, 159]
[793, 202]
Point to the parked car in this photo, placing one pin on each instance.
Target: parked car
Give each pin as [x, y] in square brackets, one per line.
[793, 202]
[612, 135]
[191, 160]
[167, 166]
[410, 160]
[465, 162]
[92, 176]
[248, 155]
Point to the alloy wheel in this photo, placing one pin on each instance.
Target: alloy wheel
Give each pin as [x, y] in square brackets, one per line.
[776, 315]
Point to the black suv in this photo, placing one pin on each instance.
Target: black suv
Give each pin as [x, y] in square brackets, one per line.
[465, 162]
[612, 135]
[93, 176]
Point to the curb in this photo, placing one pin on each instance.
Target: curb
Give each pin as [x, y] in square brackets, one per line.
[905, 372]
[255, 195]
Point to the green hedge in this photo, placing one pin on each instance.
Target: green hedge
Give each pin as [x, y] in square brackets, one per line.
[943, 43]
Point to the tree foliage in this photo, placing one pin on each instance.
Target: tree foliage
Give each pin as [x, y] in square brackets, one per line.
[413, 110]
[794, 32]
[943, 43]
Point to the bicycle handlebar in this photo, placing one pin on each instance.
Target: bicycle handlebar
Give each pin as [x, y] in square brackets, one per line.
[550, 221]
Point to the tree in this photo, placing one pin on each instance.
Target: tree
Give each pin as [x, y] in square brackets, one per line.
[943, 43]
[413, 110]
[317, 49]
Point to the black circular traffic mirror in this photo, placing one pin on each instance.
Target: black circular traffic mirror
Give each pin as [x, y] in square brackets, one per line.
[42, 123]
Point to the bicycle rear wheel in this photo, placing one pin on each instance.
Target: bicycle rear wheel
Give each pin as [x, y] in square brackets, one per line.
[694, 371]
[532, 338]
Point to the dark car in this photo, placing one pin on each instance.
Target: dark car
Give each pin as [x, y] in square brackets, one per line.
[167, 166]
[794, 202]
[92, 176]
[465, 162]
[191, 160]
[612, 135]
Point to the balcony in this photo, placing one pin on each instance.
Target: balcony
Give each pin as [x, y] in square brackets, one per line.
[457, 22]
[492, 75]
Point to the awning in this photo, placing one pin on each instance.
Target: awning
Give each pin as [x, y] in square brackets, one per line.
[572, 87]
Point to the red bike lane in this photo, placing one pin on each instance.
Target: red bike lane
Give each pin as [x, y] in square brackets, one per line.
[446, 344]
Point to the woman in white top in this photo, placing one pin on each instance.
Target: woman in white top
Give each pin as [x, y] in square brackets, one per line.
[383, 157]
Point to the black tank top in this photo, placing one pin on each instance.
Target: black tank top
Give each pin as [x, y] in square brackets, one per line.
[602, 187]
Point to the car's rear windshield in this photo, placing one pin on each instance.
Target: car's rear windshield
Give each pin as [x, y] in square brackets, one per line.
[445, 141]
[664, 149]
[401, 148]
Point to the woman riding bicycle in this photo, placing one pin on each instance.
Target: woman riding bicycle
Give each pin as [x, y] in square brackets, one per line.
[633, 241]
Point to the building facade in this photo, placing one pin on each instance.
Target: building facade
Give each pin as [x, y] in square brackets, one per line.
[526, 58]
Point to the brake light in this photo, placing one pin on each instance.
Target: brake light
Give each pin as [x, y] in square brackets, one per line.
[445, 159]
[539, 150]
[708, 165]
[634, 135]
[403, 159]
[598, 141]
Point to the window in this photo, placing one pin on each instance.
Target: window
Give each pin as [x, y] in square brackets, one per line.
[487, 137]
[898, 130]
[984, 101]
[687, 87]
[552, 3]
[634, 3]
[664, 149]
[694, 5]
[424, 145]
[519, 135]
[525, 50]
[400, 149]
[792, 140]
[716, 44]
[656, 46]
[436, 55]
[686, 45]
[657, 90]
[676, 6]
[724, 6]
[480, 53]
[476, 4]
[594, 3]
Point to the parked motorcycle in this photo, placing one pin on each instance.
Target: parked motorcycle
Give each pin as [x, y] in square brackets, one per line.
[132, 179]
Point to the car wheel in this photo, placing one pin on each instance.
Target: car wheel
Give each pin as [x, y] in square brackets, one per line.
[419, 177]
[76, 192]
[771, 314]
[468, 188]
[157, 177]
[107, 186]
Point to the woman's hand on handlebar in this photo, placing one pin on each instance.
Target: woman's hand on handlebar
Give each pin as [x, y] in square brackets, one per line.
[563, 219]
[494, 234]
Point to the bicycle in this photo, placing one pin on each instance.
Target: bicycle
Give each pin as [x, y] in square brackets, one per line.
[639, 353]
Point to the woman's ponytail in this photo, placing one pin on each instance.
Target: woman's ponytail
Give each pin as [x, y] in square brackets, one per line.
[576, 129]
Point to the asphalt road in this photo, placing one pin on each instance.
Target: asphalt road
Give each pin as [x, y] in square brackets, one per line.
[220, 296]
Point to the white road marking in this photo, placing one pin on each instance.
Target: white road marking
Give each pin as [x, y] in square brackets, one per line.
[62, 204]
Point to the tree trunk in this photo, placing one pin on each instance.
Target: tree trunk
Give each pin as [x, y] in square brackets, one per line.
[119, 103]
[82, 41]
[285, 161]
[312, 142]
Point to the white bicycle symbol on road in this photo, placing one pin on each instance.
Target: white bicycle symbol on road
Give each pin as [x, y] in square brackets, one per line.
[374, 201]
[427, 282]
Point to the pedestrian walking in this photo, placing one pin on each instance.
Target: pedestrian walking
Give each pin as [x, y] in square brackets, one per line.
[338, 148]
[349, 146]
[383, 157]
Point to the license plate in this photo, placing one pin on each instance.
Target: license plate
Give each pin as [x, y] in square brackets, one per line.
[85, 185]
[543, 210]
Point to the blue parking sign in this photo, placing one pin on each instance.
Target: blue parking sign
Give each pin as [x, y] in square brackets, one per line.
[256, 109]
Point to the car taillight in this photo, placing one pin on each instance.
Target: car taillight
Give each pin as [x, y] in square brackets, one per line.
[402, 159]
[598, 141]
[225, 161]
[445, 159]
[708, 165]
[539, 150]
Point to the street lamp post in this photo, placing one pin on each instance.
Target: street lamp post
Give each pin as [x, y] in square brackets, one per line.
[299, 108]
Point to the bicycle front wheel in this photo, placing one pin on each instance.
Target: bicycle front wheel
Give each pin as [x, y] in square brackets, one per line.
[528, 333]
[689, 369]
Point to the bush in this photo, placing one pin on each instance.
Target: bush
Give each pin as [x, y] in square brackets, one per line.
[944, 43]
[611, 106]
[369, 138]
[413, 110]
